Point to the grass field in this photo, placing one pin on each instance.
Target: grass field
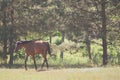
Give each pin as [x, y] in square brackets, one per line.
[61, 74]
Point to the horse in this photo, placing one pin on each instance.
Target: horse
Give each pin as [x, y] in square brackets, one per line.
[32, 48]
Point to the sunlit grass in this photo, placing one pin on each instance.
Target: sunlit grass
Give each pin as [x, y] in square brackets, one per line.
[62, 74]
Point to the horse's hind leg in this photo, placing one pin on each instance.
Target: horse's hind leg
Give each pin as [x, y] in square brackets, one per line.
[26, 58]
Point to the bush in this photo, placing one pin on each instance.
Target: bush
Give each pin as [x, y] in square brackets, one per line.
[58, 41]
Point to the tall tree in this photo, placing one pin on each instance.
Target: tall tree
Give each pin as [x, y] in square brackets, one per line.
[87, 28]
[104, 31]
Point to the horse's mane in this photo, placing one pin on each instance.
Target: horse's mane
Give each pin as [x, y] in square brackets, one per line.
[24, 42]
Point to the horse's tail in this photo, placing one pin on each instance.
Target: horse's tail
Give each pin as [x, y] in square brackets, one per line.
[49, 52]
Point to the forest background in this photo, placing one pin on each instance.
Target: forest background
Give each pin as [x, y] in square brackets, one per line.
[81, 33]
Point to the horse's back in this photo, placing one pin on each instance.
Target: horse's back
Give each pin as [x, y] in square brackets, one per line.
[39, 46]
[40, 43]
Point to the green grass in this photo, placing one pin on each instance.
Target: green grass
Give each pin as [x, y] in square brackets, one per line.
[61, 74]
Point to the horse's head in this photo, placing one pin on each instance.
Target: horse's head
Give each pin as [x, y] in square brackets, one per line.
[18, 46]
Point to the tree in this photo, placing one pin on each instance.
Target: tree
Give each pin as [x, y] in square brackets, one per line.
[7, 29]
[104, 31]
[63, 37]
[12, 34]
[4, 32]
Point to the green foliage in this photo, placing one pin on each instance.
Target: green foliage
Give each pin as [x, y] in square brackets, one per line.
[113, 54]
[74, 60]
[57, 38]
[57, 33]
[20, 54]
[58, 41]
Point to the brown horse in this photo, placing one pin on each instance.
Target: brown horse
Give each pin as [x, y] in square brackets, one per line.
[32, 48]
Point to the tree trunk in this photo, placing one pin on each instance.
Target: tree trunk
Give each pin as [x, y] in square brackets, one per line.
[11, 49]
[5, 50]
[11, 45]
[50, 37]
[104, 39]
[87, 40]
[61, 52]
[4, 32]
[11, 39]
[87, 27]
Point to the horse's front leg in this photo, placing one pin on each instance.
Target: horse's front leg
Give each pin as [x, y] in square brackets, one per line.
[34, 62]
[26, 58]
[44, 61]
[43, 64]
[47, 63]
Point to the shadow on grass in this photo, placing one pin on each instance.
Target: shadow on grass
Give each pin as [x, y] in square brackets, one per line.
[71, 66]
[17, 66]
[41, 70]
[11, 66]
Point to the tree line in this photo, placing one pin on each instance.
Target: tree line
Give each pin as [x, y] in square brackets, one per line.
[76, 20]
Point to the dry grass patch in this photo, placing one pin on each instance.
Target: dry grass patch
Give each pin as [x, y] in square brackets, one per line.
[61, 74]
